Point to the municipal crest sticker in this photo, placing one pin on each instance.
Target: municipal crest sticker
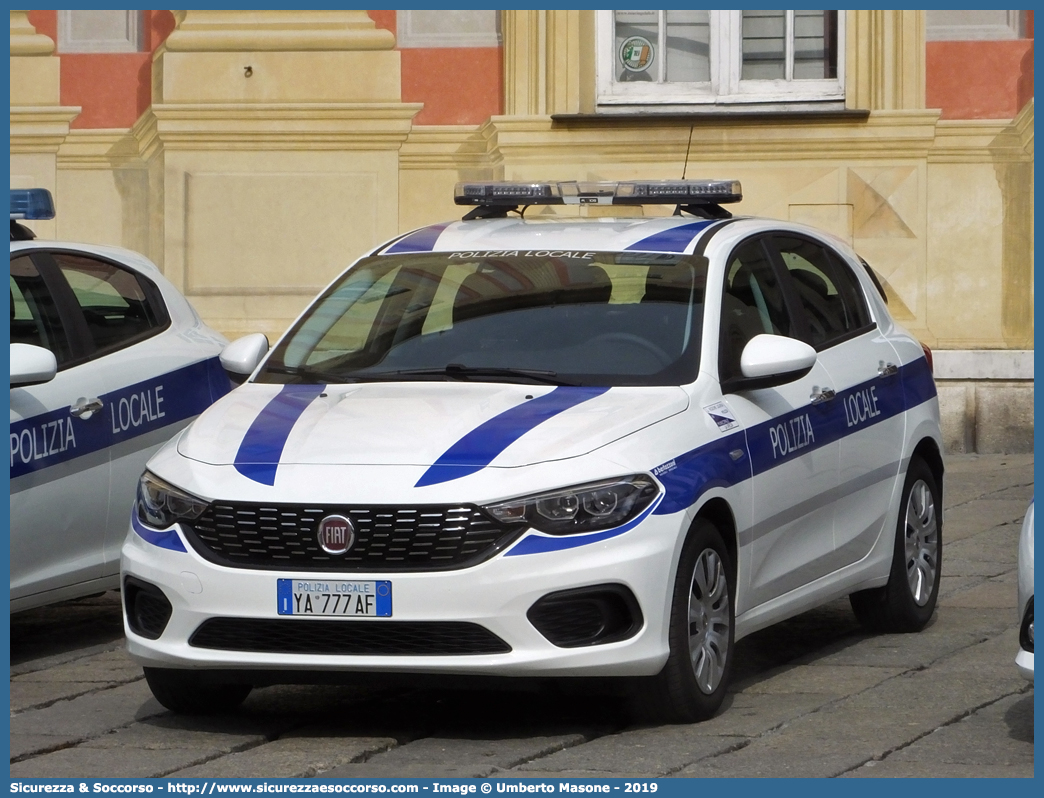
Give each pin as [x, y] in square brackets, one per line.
[636, 54]
[722, 416]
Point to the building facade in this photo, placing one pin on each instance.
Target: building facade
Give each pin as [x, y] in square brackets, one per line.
[254, 154]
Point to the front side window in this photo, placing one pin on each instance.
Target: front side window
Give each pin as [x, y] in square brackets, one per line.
[569, 318]
[727, 58]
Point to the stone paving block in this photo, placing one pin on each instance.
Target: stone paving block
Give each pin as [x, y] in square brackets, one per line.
[294, 757]
[980, 515]
[938, 770]
[1001, 592]
[81, 718]
[80, 762]
[441, 757]
[650, 750]
[108, 666]
[553, 777]
[30, 695]
[948, 585]
[968, 741]
[836, 680]
[750, 714]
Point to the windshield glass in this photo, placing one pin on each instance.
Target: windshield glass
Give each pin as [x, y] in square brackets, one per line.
[565, 318]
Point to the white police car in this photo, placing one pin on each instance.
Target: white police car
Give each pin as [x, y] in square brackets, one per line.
[547, 447]
[108, 361]
[1024, 659]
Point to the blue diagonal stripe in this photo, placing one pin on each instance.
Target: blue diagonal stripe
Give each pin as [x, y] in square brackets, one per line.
[478, 448]
[422, 240]
[674, 240]
[262, 446]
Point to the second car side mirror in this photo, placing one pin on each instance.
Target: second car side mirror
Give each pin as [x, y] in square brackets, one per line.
[769, 360]
[243, 355]
[31, 365]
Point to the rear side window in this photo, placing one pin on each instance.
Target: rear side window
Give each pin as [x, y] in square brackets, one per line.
[34, 316]
[115, 302]
[832, 301]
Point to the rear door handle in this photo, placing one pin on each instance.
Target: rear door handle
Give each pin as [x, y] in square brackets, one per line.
[820, 395]
[886, 369]
[85, 408]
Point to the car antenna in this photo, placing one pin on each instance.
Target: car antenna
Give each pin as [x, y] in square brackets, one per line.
[688, 147]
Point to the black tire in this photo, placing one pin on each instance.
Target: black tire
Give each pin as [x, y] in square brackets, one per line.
[184, 692]
[691, 688]
[907, 602]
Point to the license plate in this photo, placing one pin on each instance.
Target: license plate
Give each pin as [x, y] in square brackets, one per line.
[340, 598]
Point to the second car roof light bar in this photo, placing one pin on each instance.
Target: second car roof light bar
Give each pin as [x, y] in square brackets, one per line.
[29, 203]
[702, 198]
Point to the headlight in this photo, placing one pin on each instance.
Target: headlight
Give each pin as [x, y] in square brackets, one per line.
[161, 505]
[583, 508]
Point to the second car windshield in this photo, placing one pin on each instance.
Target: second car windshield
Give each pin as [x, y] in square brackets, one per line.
[586, 318]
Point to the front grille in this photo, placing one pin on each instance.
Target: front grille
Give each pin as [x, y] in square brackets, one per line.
[283, 537]
[389, 638]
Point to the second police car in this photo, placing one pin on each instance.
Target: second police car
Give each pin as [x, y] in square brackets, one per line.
[547, 447]
[107, 361]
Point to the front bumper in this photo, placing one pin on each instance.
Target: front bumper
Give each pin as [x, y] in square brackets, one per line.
[494, 595]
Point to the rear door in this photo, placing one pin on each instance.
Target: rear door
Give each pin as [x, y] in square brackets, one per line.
[866, 413]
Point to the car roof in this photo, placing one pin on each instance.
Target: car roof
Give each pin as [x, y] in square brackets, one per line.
[127, 257]
[675, 234]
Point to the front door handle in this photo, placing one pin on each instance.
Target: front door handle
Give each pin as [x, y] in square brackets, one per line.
[820, 395]
[84, 408]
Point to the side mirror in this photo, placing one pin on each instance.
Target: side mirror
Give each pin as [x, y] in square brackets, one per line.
[770, 360]
[243, 355]
[31, 365]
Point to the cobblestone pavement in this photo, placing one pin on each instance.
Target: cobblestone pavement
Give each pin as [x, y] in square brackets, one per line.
[814, 696]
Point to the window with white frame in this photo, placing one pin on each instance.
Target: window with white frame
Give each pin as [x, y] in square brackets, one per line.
[682, 57]
[100, 31]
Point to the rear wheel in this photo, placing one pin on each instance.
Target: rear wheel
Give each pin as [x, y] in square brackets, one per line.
[691, 686]
[184, 692]
[907, 602]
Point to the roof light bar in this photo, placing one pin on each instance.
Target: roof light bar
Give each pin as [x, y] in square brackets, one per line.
[624, 192]
[31, 203]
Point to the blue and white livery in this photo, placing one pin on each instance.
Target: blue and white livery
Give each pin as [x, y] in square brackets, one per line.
[562, 446]
[108, 361]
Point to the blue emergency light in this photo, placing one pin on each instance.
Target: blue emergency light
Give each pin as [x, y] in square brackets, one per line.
[699, 197]
[31, 203]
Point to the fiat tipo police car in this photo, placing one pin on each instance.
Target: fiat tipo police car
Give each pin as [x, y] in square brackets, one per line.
[108, 361]
[585, 446]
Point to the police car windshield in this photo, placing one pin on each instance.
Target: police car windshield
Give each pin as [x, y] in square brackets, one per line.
[570, 318]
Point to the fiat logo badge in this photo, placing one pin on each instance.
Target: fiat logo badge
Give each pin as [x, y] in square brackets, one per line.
[336, 534]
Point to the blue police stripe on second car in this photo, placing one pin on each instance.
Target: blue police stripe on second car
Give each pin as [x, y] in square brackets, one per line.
[674, 240]
[262, 446]
[478, 448]
[418, 241]
[57, 437]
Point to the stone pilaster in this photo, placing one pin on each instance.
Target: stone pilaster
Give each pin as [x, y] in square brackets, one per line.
[273, 154]
[39, 123]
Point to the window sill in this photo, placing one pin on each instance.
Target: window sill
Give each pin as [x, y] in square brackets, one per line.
[716, 115]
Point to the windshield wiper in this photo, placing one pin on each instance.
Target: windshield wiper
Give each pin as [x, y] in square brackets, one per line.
[462, 372]
[309, 374]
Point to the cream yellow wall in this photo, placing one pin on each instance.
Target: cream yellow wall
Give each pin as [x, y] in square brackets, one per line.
[252, 191]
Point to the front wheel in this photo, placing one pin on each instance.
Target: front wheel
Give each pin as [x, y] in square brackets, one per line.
[184, 692]
[691, 686]
[907, 602]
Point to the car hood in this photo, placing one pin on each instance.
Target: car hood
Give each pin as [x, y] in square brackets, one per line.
[433, 424]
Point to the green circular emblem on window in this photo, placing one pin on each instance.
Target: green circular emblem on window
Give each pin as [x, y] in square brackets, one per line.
[636, 54]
